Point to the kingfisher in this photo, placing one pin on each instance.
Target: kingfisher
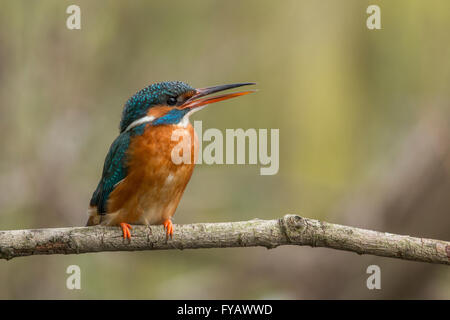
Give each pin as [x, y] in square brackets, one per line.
[141, 183]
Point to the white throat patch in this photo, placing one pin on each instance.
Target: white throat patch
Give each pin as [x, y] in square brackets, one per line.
[185, 121]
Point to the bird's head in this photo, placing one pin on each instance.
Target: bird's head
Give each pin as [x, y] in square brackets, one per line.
[171, 103]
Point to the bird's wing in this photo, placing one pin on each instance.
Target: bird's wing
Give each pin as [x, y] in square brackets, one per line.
[114, 171]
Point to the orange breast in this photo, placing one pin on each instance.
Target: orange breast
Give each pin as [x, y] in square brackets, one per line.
[154, 184]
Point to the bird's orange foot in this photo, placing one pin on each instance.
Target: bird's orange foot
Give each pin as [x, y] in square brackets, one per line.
[126, 230]
[168, 226]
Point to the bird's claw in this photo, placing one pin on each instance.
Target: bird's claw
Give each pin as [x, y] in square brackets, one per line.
[168, 227]
[126, 230]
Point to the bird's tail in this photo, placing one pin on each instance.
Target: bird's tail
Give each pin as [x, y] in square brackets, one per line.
[94, 218]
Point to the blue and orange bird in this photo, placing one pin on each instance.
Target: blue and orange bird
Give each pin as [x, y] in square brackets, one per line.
[141, 184]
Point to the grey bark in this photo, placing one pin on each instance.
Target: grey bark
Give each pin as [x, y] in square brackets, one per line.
[289, 230]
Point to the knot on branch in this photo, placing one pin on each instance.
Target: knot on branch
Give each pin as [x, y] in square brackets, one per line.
[294, 227]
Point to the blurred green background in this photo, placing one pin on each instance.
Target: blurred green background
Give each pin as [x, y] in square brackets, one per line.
[363, 126]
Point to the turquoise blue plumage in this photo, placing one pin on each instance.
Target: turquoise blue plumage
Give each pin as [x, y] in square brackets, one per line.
[114, 169]
[156, 94]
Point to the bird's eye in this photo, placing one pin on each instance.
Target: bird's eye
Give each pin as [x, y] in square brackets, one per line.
[172, 101]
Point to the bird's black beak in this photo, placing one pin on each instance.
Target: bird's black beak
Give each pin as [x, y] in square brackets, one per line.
[197, 99]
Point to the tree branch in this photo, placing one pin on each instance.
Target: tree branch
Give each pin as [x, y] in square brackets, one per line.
[289, 230]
